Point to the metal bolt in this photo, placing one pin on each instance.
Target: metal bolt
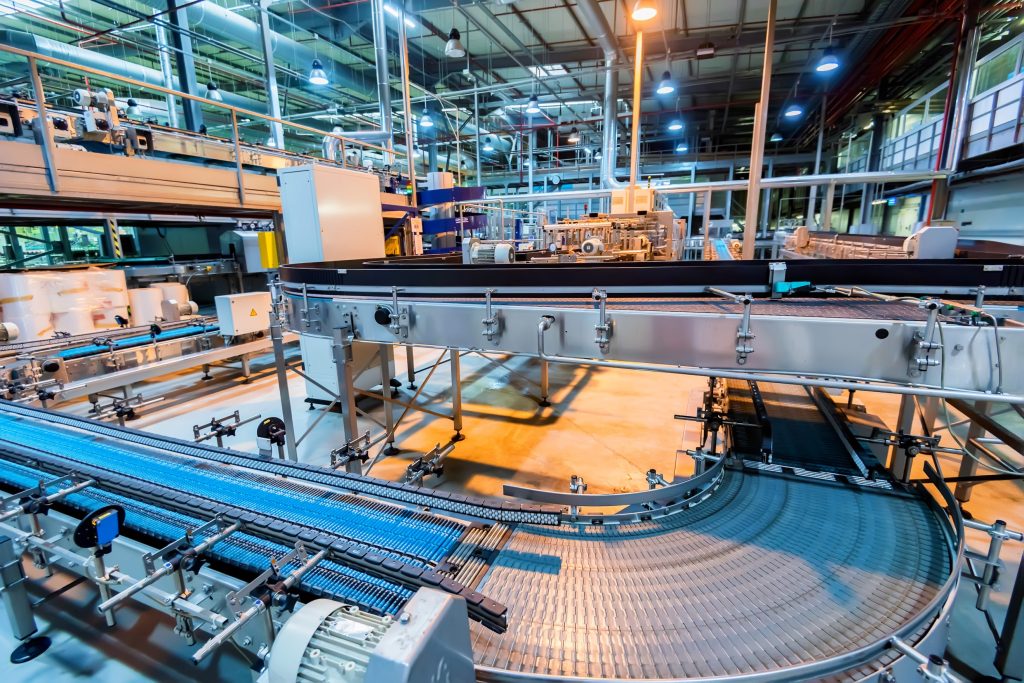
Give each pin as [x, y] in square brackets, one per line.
[404, 618]
[246, 642]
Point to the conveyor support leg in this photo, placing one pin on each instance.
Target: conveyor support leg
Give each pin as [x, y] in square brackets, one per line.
[386, 359]
[969, 465]
[456, 362]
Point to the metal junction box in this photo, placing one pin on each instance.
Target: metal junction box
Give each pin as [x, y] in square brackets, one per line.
[240, 314]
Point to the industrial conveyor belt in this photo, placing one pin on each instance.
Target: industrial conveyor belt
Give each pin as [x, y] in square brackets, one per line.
[168, 490]
[138, 340]
[801, 435]
[769, 573]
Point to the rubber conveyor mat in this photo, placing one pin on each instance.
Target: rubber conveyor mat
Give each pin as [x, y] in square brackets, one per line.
[801, 435]
[372, 538]
[768, 573]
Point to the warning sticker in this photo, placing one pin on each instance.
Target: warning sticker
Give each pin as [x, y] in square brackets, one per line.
[252, 313]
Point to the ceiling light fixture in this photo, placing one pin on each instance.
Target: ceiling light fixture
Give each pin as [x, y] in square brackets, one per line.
[828, 62]
[488, 147]
[133, 111]
[776, 137]
[453, 48]
[675, 125]
[706, 50]
[644, 10]
[666, 87]
[317, 75]
[682, 148]
[532, 106]
[793, 111]
[574, 135]
[213, 92]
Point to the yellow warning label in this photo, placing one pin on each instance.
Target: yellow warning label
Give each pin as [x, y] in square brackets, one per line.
[252, 313]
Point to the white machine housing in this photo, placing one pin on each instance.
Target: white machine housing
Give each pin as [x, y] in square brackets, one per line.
[932, 241]
[330, 214]
[240, 314]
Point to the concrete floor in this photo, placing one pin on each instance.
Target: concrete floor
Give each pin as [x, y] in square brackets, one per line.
[609, 426]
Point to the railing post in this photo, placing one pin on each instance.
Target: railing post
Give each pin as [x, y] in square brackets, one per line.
[239, 174]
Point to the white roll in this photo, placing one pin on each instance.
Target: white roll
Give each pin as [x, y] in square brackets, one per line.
[8, 332]
[24, 294]
[107, 287]
[32, 327]
[103, 318]
[75, 322]
[172, 291]
[68, 290]
[145, 305]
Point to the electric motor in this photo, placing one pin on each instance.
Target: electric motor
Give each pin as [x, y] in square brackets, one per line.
[592, 246]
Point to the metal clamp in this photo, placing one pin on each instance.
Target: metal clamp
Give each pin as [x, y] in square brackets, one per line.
[491, 322]
[603, 328]
[307, 320]
[925, 341]
[743, 333]
[356, 449]
[431, 462]
[220, 427]
[398, 319]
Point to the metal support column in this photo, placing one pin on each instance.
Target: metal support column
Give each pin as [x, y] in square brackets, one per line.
[634, 145]
[757, 144]
[545, 384]
[898, 462]
[14, 591]
[270, 74]
[1010, 650]
[403, 48]
[968, 465]
[410, 367]
[45, 134]
[277, 339]
[380, 52]
[812, 200]
[456, 362]
[342, 349]
[826, 208]
[187, 83]
[386, 359]
[766, 201]
[112, 239]
[167, 71]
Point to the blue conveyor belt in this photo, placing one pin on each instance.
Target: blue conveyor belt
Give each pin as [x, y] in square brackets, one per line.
[404, 533]
[241, 550]
[139, 340]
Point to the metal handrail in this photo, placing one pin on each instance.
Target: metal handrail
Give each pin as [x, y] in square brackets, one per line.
[176, 93]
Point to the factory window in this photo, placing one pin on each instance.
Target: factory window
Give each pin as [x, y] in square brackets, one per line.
[998, 68]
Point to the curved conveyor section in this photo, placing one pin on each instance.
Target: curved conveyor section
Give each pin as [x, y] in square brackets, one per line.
[767, 574]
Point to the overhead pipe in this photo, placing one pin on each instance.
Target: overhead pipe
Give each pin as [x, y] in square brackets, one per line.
[596, 23]
[380, 51]
[95, 60]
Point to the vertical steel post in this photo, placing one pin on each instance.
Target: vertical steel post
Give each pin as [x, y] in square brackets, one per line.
[183, 54]
[385, 359]
[380, 53]
[826, 209]
[410, 367]
[456, 361]
[812, 199]
[403, 46]
[14, 596]
[545, 384]
[239, 173]
[167, 71]
[968, 465]
[270, 74]
[342, 349]
[757, 144]
[634, 145]
[46, 135]
[281, 369]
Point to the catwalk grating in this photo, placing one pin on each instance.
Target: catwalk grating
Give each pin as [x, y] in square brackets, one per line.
[768, 573]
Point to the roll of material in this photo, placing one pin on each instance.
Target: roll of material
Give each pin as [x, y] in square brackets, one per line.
[172, 291]
[107, 287]
[68, 291]
[104, 318]
[24, 294]
[8, 332]
[32, 327]
[74, 322]
[145, 305]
